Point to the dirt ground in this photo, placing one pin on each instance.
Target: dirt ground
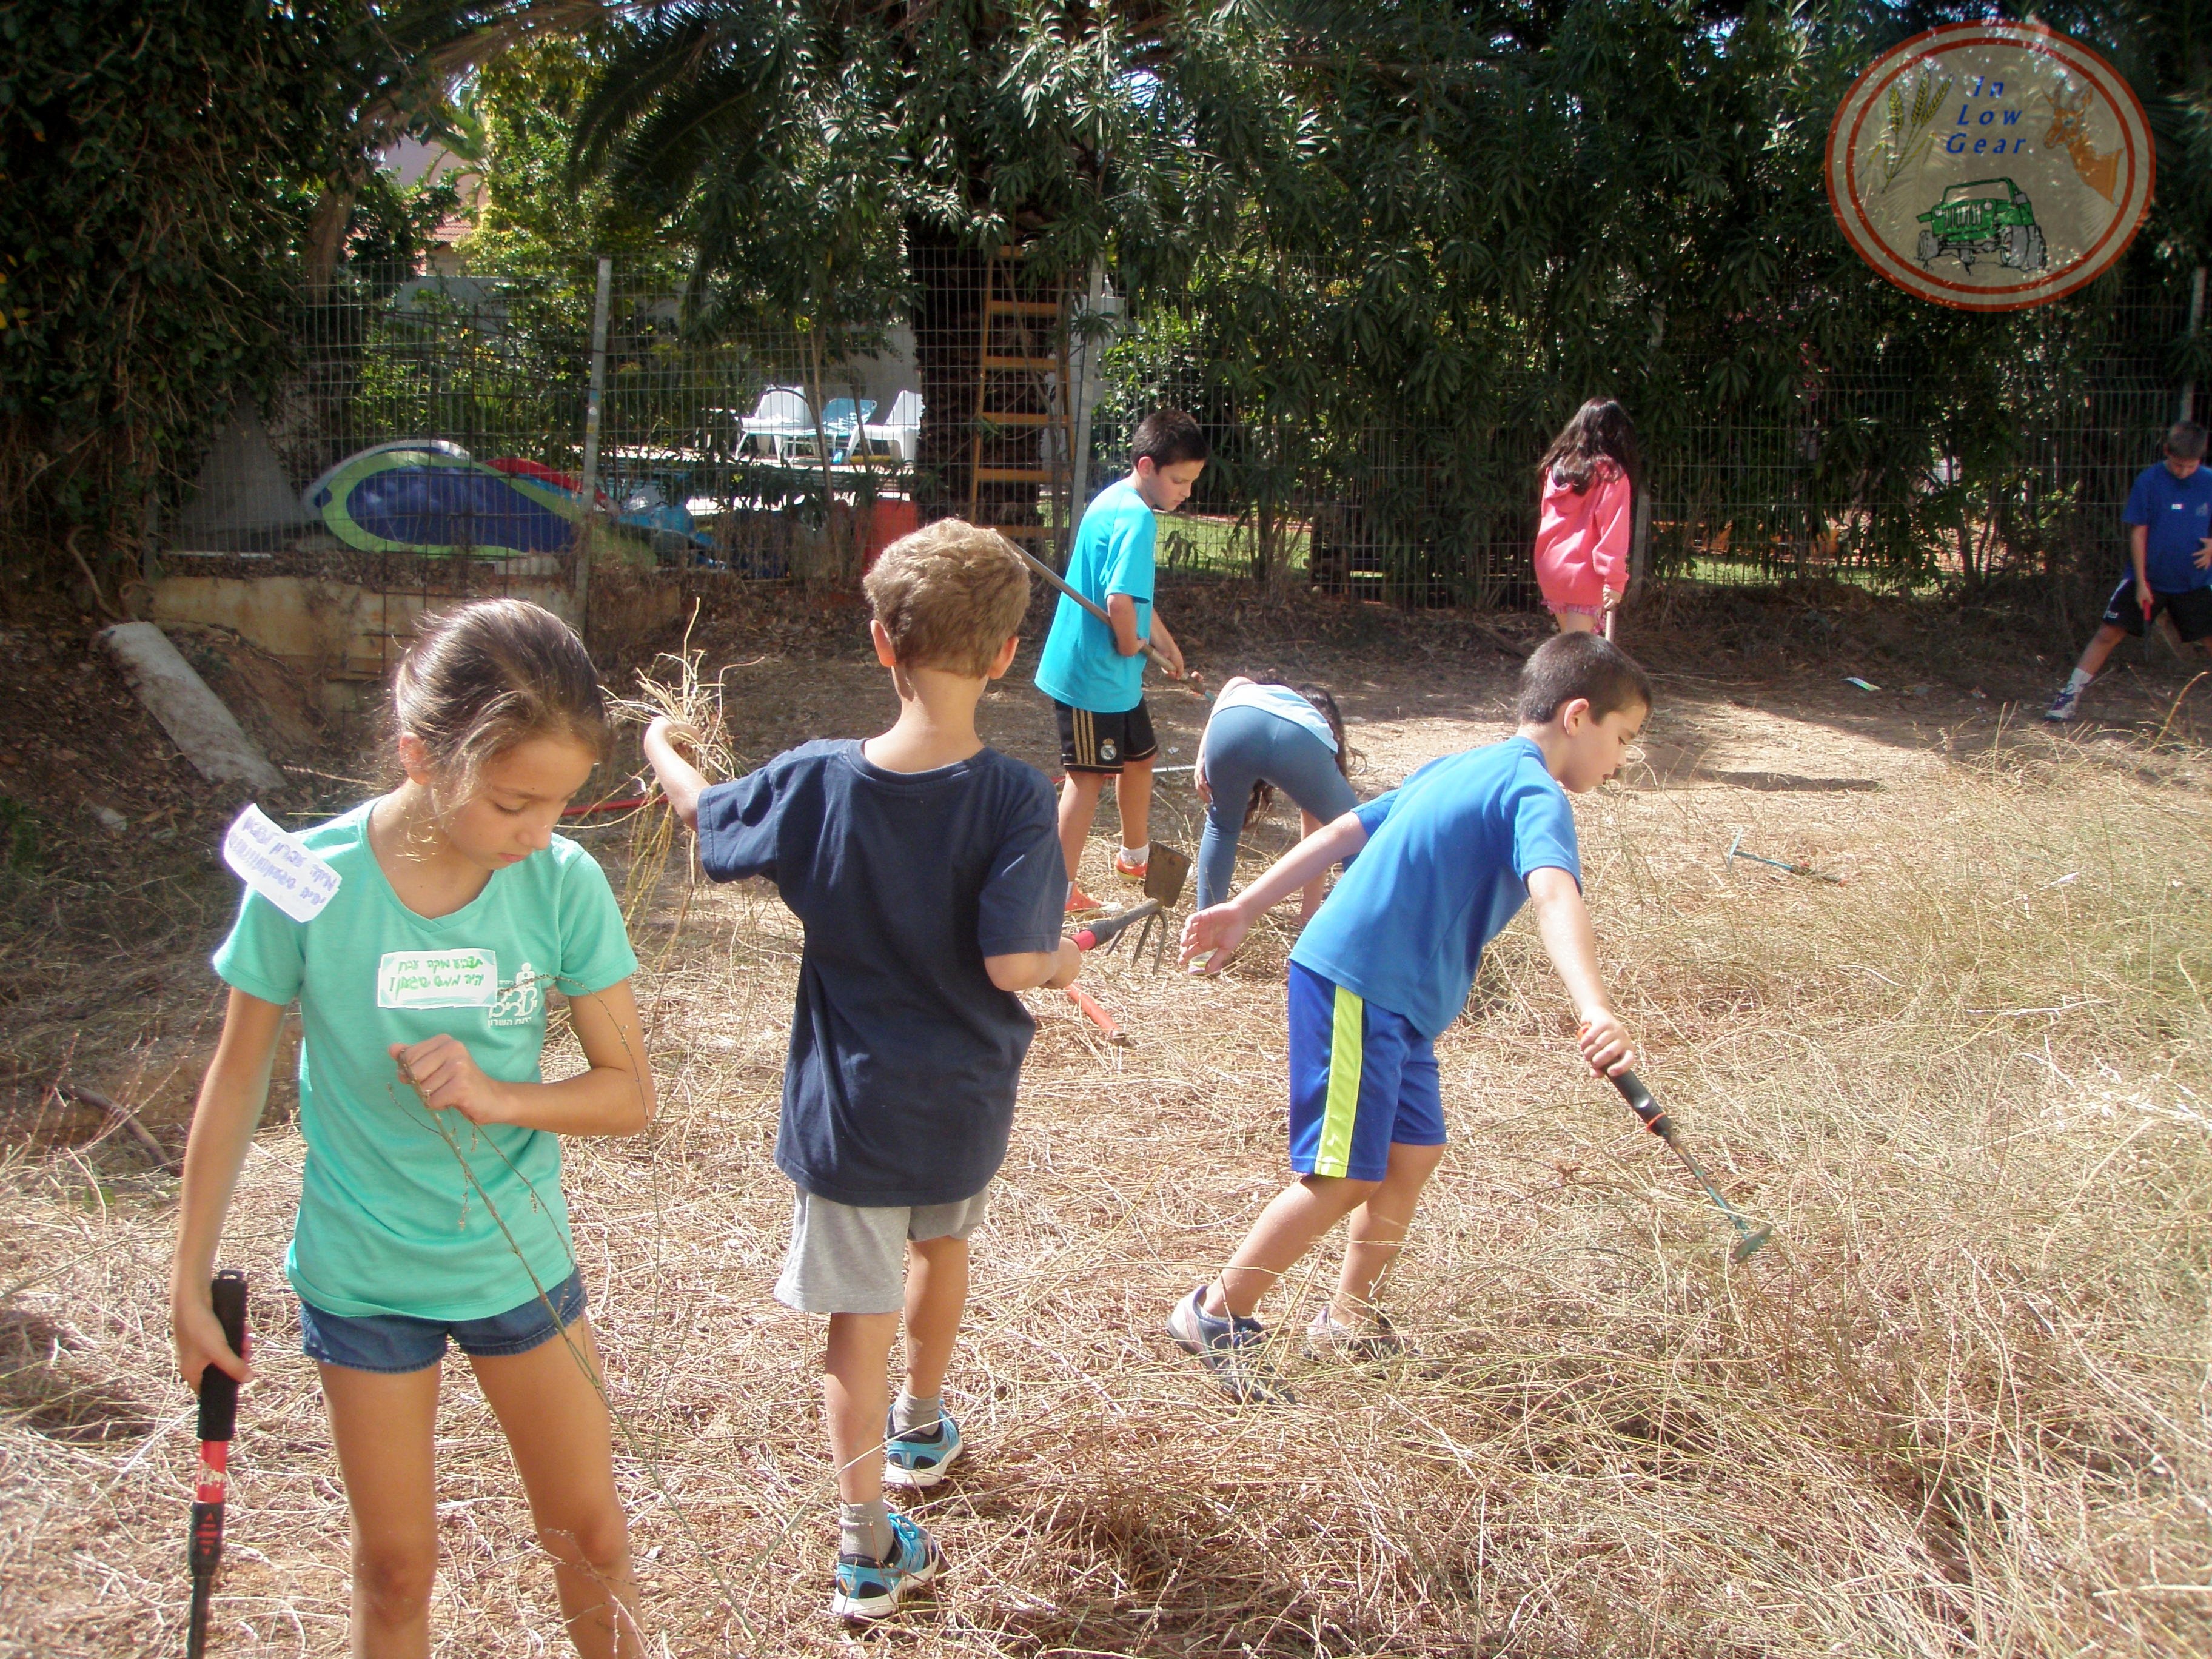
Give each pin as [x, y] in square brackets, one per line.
[1956, 1408]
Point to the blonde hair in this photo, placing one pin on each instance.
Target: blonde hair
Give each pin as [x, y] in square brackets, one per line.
[486, 676]
[950, 595]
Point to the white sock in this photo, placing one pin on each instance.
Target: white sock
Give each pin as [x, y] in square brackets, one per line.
[2079, 680]
[1135, 855]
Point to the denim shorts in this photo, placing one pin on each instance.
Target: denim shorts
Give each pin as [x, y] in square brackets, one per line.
[398, 1342]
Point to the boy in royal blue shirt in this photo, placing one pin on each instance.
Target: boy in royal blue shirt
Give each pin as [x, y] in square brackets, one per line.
[1095, 674]
[927, 873]
[2169, 520]
[1443, 861]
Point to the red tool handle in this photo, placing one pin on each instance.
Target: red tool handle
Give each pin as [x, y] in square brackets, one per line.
[1099, 1016]
[218, 1422]
[1106, 929]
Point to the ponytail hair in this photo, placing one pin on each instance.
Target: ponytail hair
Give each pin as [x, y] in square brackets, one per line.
[487, 676]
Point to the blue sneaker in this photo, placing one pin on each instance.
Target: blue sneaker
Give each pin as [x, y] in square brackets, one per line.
[2066, 704]
[918, 1457]
[869, 1588]
[1231, 1350]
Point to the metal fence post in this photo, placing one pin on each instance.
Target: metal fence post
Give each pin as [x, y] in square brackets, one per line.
[590, 478]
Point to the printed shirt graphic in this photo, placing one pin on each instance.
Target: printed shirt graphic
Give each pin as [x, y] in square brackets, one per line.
[390, 1220]
[2175, 514]
[1446, 866]
[1113, 554]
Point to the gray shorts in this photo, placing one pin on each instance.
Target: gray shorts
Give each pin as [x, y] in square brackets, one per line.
[848, 1260]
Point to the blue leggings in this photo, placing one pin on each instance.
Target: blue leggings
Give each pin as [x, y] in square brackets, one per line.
[1242, 746]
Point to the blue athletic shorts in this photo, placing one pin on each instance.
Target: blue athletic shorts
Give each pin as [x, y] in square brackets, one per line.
[397, 1342]
[1361, 1078]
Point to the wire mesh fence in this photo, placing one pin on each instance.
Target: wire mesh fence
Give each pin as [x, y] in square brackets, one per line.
[445, 415]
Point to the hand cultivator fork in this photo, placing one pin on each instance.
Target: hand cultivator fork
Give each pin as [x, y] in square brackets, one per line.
[1164, 883]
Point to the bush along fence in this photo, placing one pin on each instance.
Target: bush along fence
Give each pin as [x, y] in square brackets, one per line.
[450, 414]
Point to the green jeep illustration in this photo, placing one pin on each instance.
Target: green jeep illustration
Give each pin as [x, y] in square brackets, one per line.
[1986, 216]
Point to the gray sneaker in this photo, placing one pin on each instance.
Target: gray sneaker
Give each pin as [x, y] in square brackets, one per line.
[1231, 1349]
[2065, 704]
[1332, 1342]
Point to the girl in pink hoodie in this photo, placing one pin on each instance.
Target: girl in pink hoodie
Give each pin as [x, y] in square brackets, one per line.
[1589, 476]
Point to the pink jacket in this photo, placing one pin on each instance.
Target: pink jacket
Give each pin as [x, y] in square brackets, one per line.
[1582, 541]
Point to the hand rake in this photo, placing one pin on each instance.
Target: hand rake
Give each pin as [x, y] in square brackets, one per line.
[1736, 851]
[1164, 884]
[1164, 880]
[1655, 1117]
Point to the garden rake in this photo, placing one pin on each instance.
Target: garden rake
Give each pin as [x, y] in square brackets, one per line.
[1654, 1119]
[1164, 883]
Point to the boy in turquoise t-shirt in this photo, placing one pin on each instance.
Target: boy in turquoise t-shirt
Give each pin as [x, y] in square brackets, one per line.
[1444, 862]
[1095, 674]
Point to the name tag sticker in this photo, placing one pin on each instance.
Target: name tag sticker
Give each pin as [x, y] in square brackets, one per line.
[273, 863]
[437, 979]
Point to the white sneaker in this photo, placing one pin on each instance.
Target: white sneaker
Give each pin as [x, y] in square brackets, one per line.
[2065, 705]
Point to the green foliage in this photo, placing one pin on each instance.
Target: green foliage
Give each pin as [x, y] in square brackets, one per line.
[831, 166]
[1492, 212]
[392, 223]
[519, 116]
[158, 157]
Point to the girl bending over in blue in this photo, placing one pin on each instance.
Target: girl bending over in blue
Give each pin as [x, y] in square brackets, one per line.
[1262, 737]
[430, 1205]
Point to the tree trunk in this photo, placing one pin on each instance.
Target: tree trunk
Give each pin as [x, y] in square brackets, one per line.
[951, 282]
[948, 320]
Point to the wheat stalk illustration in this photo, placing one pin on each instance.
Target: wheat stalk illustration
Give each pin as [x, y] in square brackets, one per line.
[1907, 144]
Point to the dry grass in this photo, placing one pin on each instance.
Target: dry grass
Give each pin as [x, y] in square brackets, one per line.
[1957, 1408]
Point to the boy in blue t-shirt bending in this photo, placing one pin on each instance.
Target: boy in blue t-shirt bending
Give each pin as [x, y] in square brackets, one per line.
[1095, 674]
[927, 873]
[1443, 861]
[2169, 520]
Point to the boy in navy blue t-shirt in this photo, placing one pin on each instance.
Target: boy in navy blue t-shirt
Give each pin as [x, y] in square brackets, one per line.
[926, 869]
[1442, 862]
[2169, 520]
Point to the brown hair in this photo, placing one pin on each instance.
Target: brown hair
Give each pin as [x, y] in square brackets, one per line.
[2185, 441]
[1600, 431]
[1571, 666]
[1263, 792]
[489, 675]
[1166, 436]
[949, 596]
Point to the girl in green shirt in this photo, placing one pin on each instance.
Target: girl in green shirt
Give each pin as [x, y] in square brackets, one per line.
[430, 1203]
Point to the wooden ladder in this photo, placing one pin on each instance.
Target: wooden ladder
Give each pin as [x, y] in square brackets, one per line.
[1022, 394]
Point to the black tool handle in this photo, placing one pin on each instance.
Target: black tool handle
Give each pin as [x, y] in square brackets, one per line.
[1640, 1102]
[218, 1388]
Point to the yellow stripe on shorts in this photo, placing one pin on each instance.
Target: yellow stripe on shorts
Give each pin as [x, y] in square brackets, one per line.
[1347, 1053]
